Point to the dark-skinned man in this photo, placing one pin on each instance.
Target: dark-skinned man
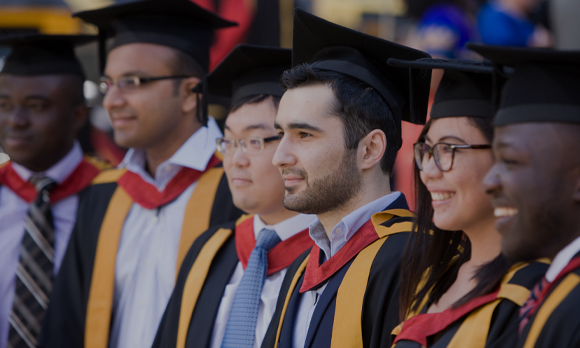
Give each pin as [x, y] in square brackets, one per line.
[42, 108]
[131, 238]
[535, 184]
[340, 122]
[230, 308]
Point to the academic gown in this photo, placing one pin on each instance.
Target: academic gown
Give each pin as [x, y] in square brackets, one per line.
[191, 325]
[556, 322]
[494, 323]
[381, 292]
[66, 318]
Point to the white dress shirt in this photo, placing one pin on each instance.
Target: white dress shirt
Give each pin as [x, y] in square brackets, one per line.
[147, 255]
[272, 285]
[562, 259]
[339, 236]
[13, 210]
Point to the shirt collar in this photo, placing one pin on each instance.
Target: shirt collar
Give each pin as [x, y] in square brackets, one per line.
[286, 228]
[562, 259]
[58, 172]
[195, 153]
[347, 227]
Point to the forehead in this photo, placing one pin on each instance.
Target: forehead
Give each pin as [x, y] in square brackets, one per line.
[458, 127]
[39, 85]
[141, 58]
[310, 104]
[250, 117]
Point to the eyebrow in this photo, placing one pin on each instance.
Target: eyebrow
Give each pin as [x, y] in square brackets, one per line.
[251, 127]
[130, 73]
[451, 137]
[298, 125]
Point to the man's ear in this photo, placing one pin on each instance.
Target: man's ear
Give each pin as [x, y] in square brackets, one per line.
[189, 101]
[371, 149]
[576, 195]
[80, 116]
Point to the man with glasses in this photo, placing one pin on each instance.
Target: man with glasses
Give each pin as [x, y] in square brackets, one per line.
[235, 298]
[42, 107]
[132, 234]
[535, 185]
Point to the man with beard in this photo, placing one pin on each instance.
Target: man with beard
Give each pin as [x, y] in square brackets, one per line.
[140, 220]
[340, 122]
[42, 107]
[535, 185]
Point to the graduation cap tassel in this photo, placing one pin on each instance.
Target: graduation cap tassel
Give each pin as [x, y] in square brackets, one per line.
[102, 50]
[496, 85]
[201, 89]
[414, 117]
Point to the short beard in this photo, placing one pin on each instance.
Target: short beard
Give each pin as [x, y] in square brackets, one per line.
[329, 193]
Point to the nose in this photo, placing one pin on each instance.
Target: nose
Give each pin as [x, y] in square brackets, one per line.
[430, 169]
[239, 157]
[283, 156]
[491, 182]
[18, 118]
[113, 99]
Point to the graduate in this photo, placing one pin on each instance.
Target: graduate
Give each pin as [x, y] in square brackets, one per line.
[228, 286]
[42, 107]
[535, 184]
[140, 220]
[340, 122]
[457, 289]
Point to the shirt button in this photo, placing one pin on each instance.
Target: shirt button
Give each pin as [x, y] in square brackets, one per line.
[154, 219]
[338, 230]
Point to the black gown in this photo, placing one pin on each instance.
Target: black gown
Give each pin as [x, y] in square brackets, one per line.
[379, 312]
[501, 331]
[66, 318]
[556, 323]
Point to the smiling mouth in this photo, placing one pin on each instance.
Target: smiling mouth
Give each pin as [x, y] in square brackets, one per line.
[441, 196]
[503, 212]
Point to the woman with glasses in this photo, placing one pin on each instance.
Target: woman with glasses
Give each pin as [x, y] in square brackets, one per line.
[457, 290]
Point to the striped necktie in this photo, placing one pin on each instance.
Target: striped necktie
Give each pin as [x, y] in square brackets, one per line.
[531, 304]
[34, 271]
[241, 327]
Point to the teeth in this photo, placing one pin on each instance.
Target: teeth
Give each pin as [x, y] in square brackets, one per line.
[439, 196]
[501, 212]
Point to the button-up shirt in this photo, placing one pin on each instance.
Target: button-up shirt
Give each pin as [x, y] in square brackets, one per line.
[562, 259]
[272, 285]
[147, 255]
[339, 236]
[13, 210]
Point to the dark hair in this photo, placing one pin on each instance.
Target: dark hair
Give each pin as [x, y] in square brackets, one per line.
[441, 253]
[360, 107]
[255, 99]
[184, 64]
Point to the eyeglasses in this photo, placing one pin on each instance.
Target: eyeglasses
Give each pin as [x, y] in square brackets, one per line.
[250, 145]
[441, 152]
[127, 83]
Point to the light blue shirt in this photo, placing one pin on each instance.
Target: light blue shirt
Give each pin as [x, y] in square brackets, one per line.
[339, 236]
[147, 255]
[13, 210]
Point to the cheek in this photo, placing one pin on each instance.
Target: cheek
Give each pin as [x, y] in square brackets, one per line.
[318, 161]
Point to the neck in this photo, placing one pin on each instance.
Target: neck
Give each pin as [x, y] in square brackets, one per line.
[44, 164]
[162, 150]
[485, 242]
[272, 218]
[369, 191]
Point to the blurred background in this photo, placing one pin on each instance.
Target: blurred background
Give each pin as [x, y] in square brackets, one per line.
[439, 27]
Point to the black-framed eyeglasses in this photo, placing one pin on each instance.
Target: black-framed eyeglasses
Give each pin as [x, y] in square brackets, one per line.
[443, 154]
[250, 145]
[127, 83]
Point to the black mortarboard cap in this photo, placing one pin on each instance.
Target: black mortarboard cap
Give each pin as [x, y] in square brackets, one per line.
[544, 87]
[180, 24]
[250, 70]
[465, 89]
[37, 54]
[329, 46]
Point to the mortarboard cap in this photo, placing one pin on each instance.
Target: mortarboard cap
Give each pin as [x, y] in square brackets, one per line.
[329, 46]
[250, 70]
[544, 87]
[465, 89]
[36, 54]
[179, 24]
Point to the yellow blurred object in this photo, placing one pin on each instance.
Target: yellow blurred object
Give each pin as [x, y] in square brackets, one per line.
[349, 12]
[47, 20]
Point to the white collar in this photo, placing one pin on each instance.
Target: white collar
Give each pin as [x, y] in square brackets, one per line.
[286, 228]
[195, 152]
[562, 259]
[58, 172]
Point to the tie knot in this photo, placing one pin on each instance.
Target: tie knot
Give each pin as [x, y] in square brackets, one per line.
[43, 184]
[267, 239]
